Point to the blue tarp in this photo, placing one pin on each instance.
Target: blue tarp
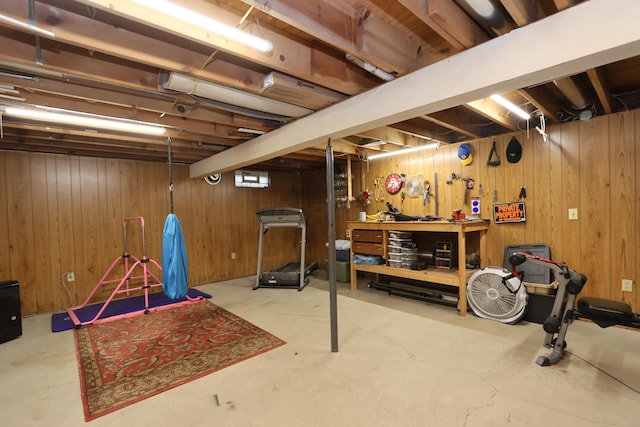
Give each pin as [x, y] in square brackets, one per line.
[174, 259]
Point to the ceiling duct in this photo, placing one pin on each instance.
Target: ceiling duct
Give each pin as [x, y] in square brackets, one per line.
[289, 89]
[227, 98]
[572, 92]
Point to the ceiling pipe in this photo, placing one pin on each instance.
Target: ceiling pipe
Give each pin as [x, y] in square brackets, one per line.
[572, 92]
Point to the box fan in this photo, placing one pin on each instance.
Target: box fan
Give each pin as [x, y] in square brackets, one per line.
[494, 293]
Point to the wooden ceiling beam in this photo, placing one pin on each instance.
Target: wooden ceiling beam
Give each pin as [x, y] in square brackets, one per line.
[460, 79]
[386, 133]
[601, 86]
[97, 36]
[76, 73]
[456, 120]
[354, 30]
[523, 12]
[543, 101]
[495, 112]
[196, 128]
[448, 20]
[288, 56]
[34, 143]
[564, 4]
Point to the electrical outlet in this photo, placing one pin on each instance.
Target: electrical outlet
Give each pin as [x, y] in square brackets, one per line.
[573, 214]
[627, 285]
[348, 233]
[71, 277]
[233, 255]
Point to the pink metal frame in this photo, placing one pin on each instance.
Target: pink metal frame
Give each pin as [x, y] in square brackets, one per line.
[150, 280]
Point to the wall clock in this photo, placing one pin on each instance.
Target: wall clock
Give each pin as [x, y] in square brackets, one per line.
[393, 183]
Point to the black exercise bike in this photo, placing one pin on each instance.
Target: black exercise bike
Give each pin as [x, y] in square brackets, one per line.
[602, 312]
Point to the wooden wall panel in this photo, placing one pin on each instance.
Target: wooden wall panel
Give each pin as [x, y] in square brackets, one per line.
[554, 237]
[61, 214]
[65, 233]
[21, 241]
[623, 205]
[58, 295]
[65, 214]
[595, 203]
[42, 259]
[570, 196]
[634, 298]
[5, 250]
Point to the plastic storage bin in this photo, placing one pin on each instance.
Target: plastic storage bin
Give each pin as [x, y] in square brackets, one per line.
[343, 270]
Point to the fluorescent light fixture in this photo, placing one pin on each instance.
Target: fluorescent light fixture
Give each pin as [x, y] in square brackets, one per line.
[193, 18]
[252, 131]
[404, 151]
[24, 25]
[371, 68]
[12, 98]
[228, 95]
[374, 144]
[511, 106]
[86, 120]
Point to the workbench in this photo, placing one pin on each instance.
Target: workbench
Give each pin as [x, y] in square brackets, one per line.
[372, 238]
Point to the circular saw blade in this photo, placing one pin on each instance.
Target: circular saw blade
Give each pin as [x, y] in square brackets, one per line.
[414, 187]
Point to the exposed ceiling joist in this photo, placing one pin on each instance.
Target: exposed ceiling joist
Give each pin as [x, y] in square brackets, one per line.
[494, 112]
[448, 20]
[353, 30]
[599, 82]
[291, 57]
[463, 78]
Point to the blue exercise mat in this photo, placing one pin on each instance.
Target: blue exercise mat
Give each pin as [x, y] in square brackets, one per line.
[62, 321]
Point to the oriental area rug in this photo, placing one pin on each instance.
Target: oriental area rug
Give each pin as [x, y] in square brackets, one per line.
[127, 360]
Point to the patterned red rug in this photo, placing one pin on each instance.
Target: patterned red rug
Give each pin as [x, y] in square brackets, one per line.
[128, 360]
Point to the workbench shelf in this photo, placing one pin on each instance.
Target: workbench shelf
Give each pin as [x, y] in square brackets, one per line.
[372, 238]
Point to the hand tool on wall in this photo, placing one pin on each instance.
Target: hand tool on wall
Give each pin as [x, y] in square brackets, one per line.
[379, 189]
[435, 181]
[453, 177]
[413, 185]
[426, 193]
[523, 192]
[469, 183]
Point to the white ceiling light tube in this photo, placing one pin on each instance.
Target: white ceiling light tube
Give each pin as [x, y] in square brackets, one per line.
[404, 151]
[25, 26]
[252, 131]
[86, 120]
[511, 106]
[194, 18]
[371, 68]
[228, 95]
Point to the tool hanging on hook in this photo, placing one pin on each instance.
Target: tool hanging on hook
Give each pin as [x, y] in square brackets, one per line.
[469, 183]
[426, 193]
[493, 152]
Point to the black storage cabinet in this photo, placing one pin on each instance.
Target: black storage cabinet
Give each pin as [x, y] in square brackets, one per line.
[10, 318]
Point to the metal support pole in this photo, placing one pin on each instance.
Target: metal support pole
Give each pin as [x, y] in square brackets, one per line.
[333, 290]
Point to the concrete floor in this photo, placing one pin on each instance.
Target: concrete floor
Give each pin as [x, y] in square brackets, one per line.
[401, 362]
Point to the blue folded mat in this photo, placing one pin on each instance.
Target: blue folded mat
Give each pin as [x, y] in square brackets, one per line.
[62, 322]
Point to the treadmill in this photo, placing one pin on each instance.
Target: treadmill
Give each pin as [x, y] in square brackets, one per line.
[292, 274]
